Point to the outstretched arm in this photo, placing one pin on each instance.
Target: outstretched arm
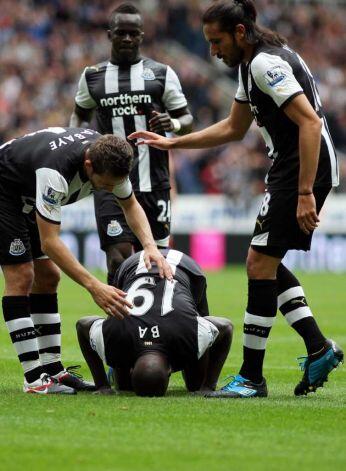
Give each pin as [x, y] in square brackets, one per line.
[109, 298]
[230, 129]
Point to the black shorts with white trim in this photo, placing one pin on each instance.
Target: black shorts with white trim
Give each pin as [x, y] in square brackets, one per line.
[20, 240]
[277, 229]
[111, 222]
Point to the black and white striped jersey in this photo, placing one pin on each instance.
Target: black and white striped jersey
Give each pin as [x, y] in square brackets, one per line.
[45, 170]
[272, 78]
[124, 97]
[164, 316]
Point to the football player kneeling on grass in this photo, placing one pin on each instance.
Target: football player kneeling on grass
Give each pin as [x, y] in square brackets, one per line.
[169, 329]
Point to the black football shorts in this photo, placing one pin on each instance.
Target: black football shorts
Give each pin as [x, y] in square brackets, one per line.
[20, 240]
[276, 224]
[112, 226]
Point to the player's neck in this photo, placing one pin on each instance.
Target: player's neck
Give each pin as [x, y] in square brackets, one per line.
[118, 60]
[249, 51]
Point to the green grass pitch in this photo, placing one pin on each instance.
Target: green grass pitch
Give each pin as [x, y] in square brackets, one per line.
[182, 432]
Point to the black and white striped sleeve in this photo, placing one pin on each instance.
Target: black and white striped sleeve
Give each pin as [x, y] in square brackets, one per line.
[51, 188]
[274, 76]
[83, 98]
[123, 190]
[240, 96]
[173, 96]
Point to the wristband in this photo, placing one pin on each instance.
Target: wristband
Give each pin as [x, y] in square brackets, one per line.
[176, 125]
[305, 194]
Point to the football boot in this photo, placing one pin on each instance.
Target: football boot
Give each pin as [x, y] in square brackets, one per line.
[317, 367]
[47, 385]
[239, 388]
[69, 377]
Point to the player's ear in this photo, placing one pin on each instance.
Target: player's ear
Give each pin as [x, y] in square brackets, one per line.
[88, 166]
[240, 32]
[109, 34]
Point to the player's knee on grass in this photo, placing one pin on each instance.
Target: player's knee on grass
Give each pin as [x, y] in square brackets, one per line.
[150, 375]
[225, 332]
[224, 326]
[226, 329]
[83, 325]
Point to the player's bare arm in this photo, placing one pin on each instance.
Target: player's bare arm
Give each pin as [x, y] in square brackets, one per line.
[202, 375]
[80, 116]
[303, 115]
[177, 121]
[233, 128]
[138, 223]
[94, 362]
[219, 351]
[109, 298]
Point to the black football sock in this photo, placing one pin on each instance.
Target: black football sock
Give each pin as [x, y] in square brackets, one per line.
[46, 319]
[16, 310]
[259, 317]
[293, 305]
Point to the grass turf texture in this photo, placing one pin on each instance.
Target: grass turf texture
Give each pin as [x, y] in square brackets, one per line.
[180, 432]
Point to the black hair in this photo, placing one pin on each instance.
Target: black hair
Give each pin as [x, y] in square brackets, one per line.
[150, 375]
[111, 154]
[128, 8]
[230, 13]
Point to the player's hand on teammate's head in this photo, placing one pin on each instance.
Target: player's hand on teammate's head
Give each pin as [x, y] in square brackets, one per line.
[152, 139]
[160, 122]
[153, 255]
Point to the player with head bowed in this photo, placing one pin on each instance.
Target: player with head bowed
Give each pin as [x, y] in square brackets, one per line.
[39, 173]
[277, 90]
[129, 93]
[169, 329]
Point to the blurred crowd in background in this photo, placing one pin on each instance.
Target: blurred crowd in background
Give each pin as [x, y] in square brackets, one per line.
[45, 44]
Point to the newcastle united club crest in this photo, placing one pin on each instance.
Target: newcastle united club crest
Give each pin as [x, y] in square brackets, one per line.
[114, 228]
[17, 247]
[148, 74]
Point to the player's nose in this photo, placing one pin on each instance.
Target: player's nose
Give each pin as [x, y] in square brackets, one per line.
[127, 38]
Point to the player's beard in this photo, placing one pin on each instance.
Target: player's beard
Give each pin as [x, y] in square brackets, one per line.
[234, 59]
